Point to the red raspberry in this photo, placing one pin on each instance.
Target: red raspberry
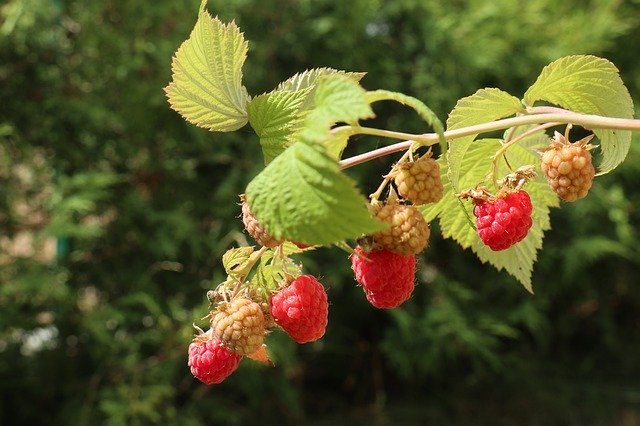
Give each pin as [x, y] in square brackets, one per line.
[504, 221]
[386, 278]
[301, 309]
[209, 360]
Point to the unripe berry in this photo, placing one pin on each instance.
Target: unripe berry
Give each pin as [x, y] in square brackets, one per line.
[568, 167]
[254, 228]
[240, 325]
[409, 232]
[419, 181]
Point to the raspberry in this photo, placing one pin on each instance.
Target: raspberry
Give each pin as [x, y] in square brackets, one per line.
[386, 278]
[254, 228]
[419, 181]
[301, 309]
[408, 234]
[240, 325]
[568, 167]
[503, 221]
[209, 360]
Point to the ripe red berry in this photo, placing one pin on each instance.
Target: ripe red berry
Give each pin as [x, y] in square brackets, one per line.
[503, 221]
[210, 361]
[301, 309]
[386, 278]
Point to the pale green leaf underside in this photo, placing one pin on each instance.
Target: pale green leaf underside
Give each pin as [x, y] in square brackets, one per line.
[589, 85]
[454, 220]
[337, 99]
[274, 117]
[302, 196]
[483, 106]
[309, 79]
[206, 87]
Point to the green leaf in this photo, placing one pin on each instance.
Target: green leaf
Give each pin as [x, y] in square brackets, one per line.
[485, 105]
[236, 261]
[338, 98]
[589, 85]
[206, 70]
[302, 196]
[275, 117]
[337, 142]
[309, 80]
[454, 221]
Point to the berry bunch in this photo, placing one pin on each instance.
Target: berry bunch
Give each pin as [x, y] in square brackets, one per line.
[247, 309]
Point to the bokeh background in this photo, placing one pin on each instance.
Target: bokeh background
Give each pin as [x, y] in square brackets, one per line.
[114, 214]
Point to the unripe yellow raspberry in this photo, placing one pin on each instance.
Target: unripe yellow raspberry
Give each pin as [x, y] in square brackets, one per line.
[568, 167]
[239, 325]
[419, 181]
[408, 234]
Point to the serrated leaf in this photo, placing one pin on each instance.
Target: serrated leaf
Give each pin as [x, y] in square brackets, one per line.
[483, 106]
[302, 196]
[454, 221]
[590, 85]
[309, 79]
[236, 260]
[337, 142]
[274, 116]
[206, 87]
[337, 99]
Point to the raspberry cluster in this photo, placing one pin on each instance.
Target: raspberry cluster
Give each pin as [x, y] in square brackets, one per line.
[238, 327]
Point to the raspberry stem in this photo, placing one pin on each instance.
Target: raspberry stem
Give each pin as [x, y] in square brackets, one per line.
[535, 115]
[510, 141]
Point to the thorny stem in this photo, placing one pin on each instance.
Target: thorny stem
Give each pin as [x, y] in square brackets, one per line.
[535, 115]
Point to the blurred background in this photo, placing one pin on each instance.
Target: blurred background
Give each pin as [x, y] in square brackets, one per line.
[114, 213]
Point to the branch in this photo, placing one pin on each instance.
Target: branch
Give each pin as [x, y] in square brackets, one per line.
[536, 115]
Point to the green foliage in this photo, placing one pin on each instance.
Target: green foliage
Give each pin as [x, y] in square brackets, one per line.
[274, 117]
[302, 195]
[589, 85]
[207, 85]
[81, 85]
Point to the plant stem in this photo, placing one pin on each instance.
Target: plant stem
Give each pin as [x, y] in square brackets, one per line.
[510, 142]
[536, 115]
